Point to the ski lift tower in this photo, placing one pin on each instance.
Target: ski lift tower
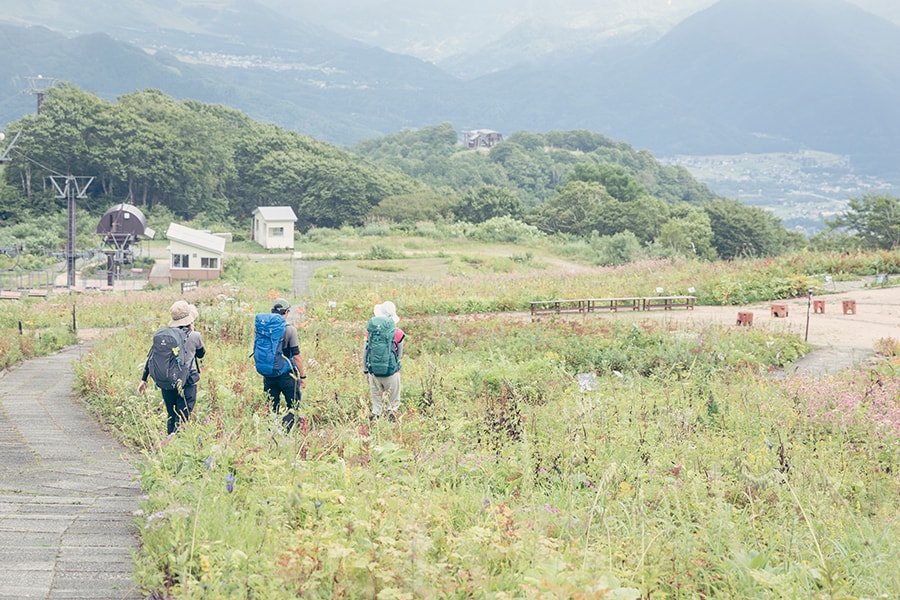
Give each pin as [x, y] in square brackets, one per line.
[4, 155]
[121, 227]
[38, 86]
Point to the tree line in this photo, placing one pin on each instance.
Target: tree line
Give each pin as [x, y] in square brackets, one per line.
[212, 165]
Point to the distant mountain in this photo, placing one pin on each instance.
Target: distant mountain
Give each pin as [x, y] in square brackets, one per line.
[320, 84]
[739, 76]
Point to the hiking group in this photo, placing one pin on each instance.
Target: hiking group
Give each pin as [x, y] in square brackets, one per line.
[173, 362]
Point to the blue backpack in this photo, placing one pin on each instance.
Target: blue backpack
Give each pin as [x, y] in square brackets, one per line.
[267, 346]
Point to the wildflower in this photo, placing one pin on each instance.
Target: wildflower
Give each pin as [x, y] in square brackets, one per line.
[587, 381]
[229, 483]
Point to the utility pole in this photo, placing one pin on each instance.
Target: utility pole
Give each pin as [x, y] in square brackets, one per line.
[808, 304]
[70, 188]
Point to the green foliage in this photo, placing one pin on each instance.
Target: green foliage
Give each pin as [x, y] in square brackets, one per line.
[193, 159]
[688, 232]
[873, 221]
[185, 160]
[426, 205]
[505, 229]
[741, 230]
[380, 252]
[614, 178]
[487, 202]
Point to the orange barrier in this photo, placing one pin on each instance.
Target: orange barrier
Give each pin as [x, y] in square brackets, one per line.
[779, 310]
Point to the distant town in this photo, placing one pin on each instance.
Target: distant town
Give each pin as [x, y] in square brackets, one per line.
[802, 189]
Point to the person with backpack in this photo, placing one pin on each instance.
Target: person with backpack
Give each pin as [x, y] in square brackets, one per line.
[381, 359]
[173, 364]
[276, 352]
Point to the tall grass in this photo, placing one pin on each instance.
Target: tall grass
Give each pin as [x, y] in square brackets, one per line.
[586, 458]
[565, 458]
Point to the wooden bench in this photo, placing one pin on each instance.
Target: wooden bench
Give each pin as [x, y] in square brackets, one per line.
[38, 293]
[10, 295]
[669, 302]
[588, 305]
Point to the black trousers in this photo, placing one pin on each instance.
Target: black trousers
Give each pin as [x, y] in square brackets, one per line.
[287, 387]
[179, 407]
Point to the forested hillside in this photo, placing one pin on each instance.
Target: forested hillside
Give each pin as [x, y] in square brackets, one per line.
[534, 165]
[190, 158]
[212, 165]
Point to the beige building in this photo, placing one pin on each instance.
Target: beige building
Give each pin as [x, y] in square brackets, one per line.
[273, 227]
[194, 254]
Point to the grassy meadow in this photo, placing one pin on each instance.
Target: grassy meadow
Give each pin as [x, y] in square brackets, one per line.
[559, 458]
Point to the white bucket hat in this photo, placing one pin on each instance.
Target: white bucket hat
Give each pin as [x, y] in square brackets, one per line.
[386, 309]
[182, 314]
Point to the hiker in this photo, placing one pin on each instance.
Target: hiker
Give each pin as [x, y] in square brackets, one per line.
[276, 352]
[381, 359]
[180, 345]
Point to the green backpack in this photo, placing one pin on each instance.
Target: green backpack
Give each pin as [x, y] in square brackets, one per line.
[381, 359]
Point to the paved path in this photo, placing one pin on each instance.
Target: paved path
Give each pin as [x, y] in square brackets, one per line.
[67, 492]
[303, 273]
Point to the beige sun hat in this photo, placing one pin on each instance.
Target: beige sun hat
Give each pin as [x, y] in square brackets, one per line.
[386, 309]
[182, 314]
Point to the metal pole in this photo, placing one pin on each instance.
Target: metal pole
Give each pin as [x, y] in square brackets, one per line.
[808, 305]
[70, 246]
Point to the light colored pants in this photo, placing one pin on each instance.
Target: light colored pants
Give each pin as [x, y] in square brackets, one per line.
[380, 386]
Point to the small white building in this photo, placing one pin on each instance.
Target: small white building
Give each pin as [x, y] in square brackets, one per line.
[194, 254]
[273, 227]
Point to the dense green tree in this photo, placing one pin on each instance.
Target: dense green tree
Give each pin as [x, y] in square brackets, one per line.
[620, 184]
[576, 209]
[414, 207]
[873, 220]
[582, 207]
[527, 172]
[687, 232]
[741, 230]
[486, 202]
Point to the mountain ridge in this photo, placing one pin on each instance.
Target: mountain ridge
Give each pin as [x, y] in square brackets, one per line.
[738, 76]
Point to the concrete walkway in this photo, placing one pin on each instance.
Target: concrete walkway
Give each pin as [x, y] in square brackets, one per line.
[67, 490]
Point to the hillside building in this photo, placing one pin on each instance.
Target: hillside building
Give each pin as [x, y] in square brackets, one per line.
[273, 227]
[481, 138]
[193, 254]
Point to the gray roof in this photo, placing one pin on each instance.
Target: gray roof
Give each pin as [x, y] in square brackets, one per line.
[196, 238]
[276, 213]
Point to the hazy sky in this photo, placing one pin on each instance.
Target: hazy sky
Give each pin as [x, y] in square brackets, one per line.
[432, 29]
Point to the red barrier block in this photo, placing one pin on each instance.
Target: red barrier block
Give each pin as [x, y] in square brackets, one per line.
[779, 310]
[849, 307]
[819, 306]
[745, 318]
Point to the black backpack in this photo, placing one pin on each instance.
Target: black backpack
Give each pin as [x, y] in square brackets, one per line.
[166, 360]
